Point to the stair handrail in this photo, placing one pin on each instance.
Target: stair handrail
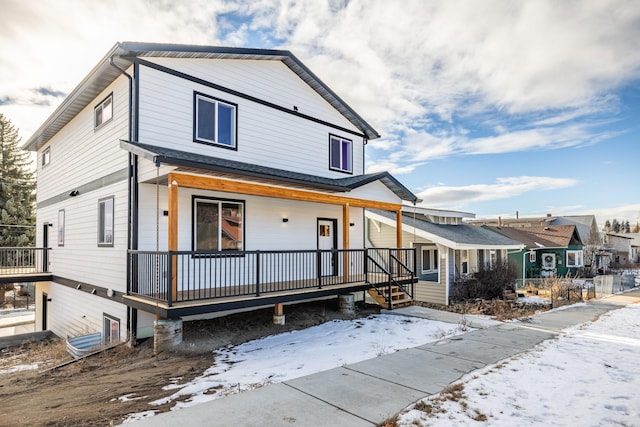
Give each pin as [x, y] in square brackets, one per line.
[391, 280]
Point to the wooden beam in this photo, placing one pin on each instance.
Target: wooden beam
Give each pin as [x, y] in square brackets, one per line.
[279, 309]
[228, 186]
[172, 243]
[399, 228]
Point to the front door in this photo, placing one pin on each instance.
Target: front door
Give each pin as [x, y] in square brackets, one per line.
[327, 241]
[45, 299]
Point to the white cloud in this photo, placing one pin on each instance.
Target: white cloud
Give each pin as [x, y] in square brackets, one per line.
[503, 188]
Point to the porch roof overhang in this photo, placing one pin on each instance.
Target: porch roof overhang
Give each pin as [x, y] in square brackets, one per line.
[458, 237]
[168, 156]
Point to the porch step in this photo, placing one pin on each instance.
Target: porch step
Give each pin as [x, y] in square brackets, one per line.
[398, 297]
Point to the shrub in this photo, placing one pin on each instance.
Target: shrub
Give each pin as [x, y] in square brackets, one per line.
[489, 283]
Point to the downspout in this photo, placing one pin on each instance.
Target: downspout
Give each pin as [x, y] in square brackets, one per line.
[132, 202]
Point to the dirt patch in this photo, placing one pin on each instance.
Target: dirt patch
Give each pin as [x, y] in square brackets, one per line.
[102, 390]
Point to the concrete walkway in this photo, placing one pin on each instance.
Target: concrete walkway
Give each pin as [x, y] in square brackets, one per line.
[368, 392]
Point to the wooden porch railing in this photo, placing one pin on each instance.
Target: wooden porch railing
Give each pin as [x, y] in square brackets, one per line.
[179, 276]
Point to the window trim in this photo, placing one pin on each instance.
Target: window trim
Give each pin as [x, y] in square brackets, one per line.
[216, 102]
[532, 256]
[579, 254]
[112, 319]
[433, 259]
[215, 200]
[101, 227]
[46, 156]
[342, 140]
[100, 107]
[61, 227]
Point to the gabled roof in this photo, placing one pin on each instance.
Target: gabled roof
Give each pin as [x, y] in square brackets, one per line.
[169, 156]
[557, 236]
[460, 236]
[123, 54]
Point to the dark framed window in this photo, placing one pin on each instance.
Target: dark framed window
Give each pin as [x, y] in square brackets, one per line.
[61, 227]
[215, 121]
[46, 156]
[103, 112]
[105, 222]
[340, 154]
[218, 224]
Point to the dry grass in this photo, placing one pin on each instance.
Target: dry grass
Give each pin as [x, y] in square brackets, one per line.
[44, 354]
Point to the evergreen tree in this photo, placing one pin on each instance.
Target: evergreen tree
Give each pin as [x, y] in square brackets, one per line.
[607, 226]
[615, 226]
[627, 227]
[17, 190]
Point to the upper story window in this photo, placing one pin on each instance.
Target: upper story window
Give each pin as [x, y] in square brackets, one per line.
[214, 121]
[61, 227]
[103, 112]
[218, 225]
[105, 222]
[46, 156]
[340, 154]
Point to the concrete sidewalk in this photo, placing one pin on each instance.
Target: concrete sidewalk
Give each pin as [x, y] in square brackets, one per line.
[368, 392]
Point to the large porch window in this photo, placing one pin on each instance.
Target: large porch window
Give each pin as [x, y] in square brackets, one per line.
[218, 225]
[574, 259]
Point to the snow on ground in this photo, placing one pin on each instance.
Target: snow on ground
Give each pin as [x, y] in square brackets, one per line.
[282, 357]
[588, 377]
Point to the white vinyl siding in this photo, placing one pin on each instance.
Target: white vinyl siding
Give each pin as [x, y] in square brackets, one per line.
[263, 226]
[83, 155]
[81, 258]
[265, 136]
[72, 312]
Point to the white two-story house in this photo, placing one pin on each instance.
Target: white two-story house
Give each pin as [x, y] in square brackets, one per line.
[179, 180]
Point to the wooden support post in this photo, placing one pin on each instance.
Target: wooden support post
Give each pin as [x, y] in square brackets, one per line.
[399, 228]
[172, 243]
[345, 242]
[278, 314]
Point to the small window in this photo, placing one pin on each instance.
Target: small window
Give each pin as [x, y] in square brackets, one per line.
[46, 156]
[103, 112]
[532, 256]
[105, 222]
[214, 121]
[111, 329]
[429, 260]
[340, 154]
[61, 227]
[574, 259]
[218, 225]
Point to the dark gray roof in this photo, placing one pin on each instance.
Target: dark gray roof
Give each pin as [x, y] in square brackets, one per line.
[459, 234]
[122, 55]
[169, 156]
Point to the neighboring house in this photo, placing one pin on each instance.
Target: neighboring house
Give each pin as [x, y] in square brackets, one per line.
[620, 248]
[177, 181]
[549, 251]
[446, 247]
[586, 226]
[635, 247]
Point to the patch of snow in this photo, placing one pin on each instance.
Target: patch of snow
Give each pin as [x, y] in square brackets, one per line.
[18, 368]
[589, 376]
[295, 354]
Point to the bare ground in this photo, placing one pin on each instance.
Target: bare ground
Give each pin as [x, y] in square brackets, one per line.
[89, 392]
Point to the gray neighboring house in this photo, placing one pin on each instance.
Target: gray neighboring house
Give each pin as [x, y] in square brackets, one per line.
[446, 247]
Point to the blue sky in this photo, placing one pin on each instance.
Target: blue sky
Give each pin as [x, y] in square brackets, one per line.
[489, 107]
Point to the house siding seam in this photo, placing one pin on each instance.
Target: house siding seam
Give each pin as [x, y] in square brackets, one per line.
[166, 120]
